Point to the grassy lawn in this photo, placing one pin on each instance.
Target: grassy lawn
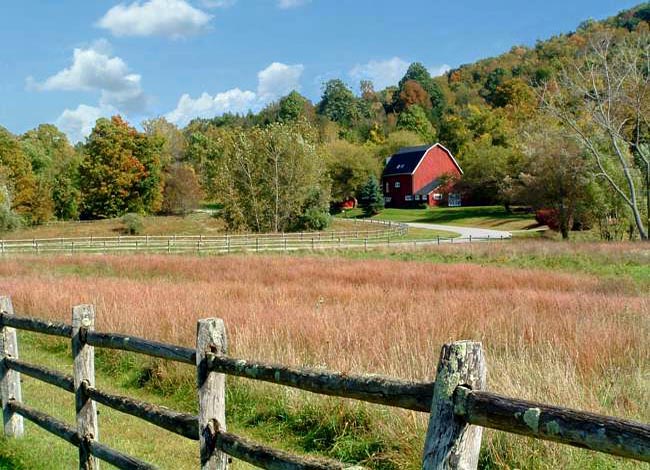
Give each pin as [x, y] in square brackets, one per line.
[492, 217]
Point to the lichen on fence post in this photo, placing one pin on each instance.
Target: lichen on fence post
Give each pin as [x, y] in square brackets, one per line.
[9, 379]
[83, 320]
[211, 338]
[451, 443]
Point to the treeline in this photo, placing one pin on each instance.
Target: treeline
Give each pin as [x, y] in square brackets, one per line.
[540, 126]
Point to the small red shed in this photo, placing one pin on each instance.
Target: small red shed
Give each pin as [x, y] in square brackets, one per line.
[421, 175]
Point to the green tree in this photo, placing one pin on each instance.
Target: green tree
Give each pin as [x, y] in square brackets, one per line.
[272, 179]
[371, 198]
[55, 164]
[294, 106]
[556, 175]
[338, 103]
[414, 119]
[349, 166]
[121, 171]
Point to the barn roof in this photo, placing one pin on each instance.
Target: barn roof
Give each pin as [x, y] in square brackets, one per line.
[407, 159]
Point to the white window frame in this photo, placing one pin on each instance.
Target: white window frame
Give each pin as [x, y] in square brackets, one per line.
[408, 198]
[437, 196]
[387, 187]
[397, 184]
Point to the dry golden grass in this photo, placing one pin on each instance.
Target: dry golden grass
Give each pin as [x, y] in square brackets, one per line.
[575, 340]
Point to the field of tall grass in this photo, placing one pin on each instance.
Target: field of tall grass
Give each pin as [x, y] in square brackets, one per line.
[575, 339]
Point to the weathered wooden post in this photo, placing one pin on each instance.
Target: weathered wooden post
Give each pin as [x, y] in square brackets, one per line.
[211, 338]
[452, 444]
[9, 379]
[83, 320]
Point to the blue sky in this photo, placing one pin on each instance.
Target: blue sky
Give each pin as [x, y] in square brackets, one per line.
[71, 61]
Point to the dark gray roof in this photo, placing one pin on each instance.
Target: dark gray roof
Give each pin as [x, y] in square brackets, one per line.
[405, 160]
[429, 187]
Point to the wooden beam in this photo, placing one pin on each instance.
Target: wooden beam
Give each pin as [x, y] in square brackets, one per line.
[183, 424]
[371, 388]
[9, 379]
[576, 428]
[36, 325]
[83, 320]
[118, 459]
[142, 346]
[452, 443]
[211, 337]
[50, 424]
[273, 459]
[52, 377]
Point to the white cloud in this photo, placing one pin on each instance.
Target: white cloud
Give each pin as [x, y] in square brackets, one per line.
[278, 80]
[206, 105]
[383, 73]
[438, 70]
[286, 4]
[93, 69]
[78, 123]
[172, 18]
[274, 81]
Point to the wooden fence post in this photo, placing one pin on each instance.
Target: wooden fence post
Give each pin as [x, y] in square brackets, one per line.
[451, 443]
[9, 379]
[83, 320]
[211, 337]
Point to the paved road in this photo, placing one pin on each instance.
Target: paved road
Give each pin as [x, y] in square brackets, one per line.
[465, 232]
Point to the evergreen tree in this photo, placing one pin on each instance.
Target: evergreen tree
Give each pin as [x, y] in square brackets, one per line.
[371, 199]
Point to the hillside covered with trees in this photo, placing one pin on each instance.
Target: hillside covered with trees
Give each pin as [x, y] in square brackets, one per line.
[560, 127]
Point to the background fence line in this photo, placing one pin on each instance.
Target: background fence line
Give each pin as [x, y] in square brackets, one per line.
[456, 401]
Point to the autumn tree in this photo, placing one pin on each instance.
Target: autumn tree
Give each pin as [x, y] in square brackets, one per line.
[121, 171]
[16, 172]
[419, 73]
[412, 94]
[182, 191]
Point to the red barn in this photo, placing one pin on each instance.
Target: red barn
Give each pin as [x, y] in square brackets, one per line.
[420, 175]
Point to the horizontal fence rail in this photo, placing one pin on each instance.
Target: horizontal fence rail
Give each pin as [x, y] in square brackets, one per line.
[457, 413]
[370, 388]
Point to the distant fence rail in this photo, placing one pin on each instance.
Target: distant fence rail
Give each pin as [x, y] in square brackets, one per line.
[457, 403]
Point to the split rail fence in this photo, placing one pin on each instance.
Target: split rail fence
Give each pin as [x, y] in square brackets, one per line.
[457, 403]
[366, 235]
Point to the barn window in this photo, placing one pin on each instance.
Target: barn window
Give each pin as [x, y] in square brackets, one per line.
[417, 197]
[408, 198]
[387, 186]
[437, 197]
[397, 184]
